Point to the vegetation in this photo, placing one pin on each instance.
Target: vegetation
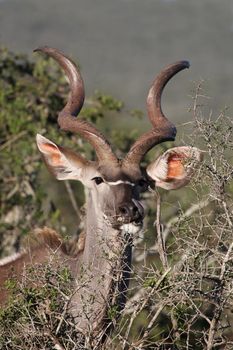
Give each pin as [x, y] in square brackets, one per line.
[181, 293]
[31, 94]
[36, 317]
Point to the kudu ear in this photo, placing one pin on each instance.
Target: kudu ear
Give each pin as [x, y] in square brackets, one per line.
[176, 167]
[63, 163]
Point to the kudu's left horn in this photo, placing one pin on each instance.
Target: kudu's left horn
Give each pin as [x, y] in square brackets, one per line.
[67, 118]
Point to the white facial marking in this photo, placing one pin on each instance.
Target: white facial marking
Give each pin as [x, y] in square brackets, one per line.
[131, 228]
[120, 182]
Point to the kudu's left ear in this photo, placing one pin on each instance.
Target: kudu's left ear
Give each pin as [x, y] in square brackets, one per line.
[176, 167]
[63, 163]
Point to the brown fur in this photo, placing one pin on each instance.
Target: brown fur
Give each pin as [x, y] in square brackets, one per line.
[38, 250]
[50, 238]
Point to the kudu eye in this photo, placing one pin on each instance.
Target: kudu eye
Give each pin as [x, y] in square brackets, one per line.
[98, 180]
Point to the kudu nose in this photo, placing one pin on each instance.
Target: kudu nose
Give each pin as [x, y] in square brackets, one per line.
[129, 211]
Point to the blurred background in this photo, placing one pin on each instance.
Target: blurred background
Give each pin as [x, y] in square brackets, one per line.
[122, 44]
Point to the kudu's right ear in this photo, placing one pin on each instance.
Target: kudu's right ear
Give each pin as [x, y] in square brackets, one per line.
[63, 163]
[175, 168]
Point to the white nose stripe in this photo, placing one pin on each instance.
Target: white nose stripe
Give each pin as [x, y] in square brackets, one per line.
[115, 183]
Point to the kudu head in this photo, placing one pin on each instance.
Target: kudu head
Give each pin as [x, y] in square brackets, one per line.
[115, 184]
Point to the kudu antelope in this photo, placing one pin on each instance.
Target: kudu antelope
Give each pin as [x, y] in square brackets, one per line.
[114, 212]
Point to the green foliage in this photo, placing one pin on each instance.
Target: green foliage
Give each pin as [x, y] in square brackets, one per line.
[113, 312]
[38, 306]
[109, 102]
[31, 95]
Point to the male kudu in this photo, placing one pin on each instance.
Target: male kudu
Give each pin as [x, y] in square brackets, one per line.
[114, 212]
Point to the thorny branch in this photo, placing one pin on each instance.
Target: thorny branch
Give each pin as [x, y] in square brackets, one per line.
[219, 299]
[198, 285]
[167, 227]
[160, 236]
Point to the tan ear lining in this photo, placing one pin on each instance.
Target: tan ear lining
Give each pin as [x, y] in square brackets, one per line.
[54, 155]
[63, 163]
[50, 151]
[175, 166]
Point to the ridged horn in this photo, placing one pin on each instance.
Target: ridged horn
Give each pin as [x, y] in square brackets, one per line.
[67, 118]
[163, 130]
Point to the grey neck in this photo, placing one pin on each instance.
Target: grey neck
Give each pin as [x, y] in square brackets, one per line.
[104, 269]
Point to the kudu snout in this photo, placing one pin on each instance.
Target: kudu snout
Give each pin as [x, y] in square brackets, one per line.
[130, 212]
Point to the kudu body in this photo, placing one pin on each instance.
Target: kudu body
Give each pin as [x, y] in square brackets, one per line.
[114, 212]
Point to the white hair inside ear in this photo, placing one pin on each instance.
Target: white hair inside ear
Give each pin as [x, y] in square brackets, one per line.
[176, 167]
[63, 163]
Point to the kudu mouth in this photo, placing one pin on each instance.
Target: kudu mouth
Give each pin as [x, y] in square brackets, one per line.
[127, 213]
[120, 221]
